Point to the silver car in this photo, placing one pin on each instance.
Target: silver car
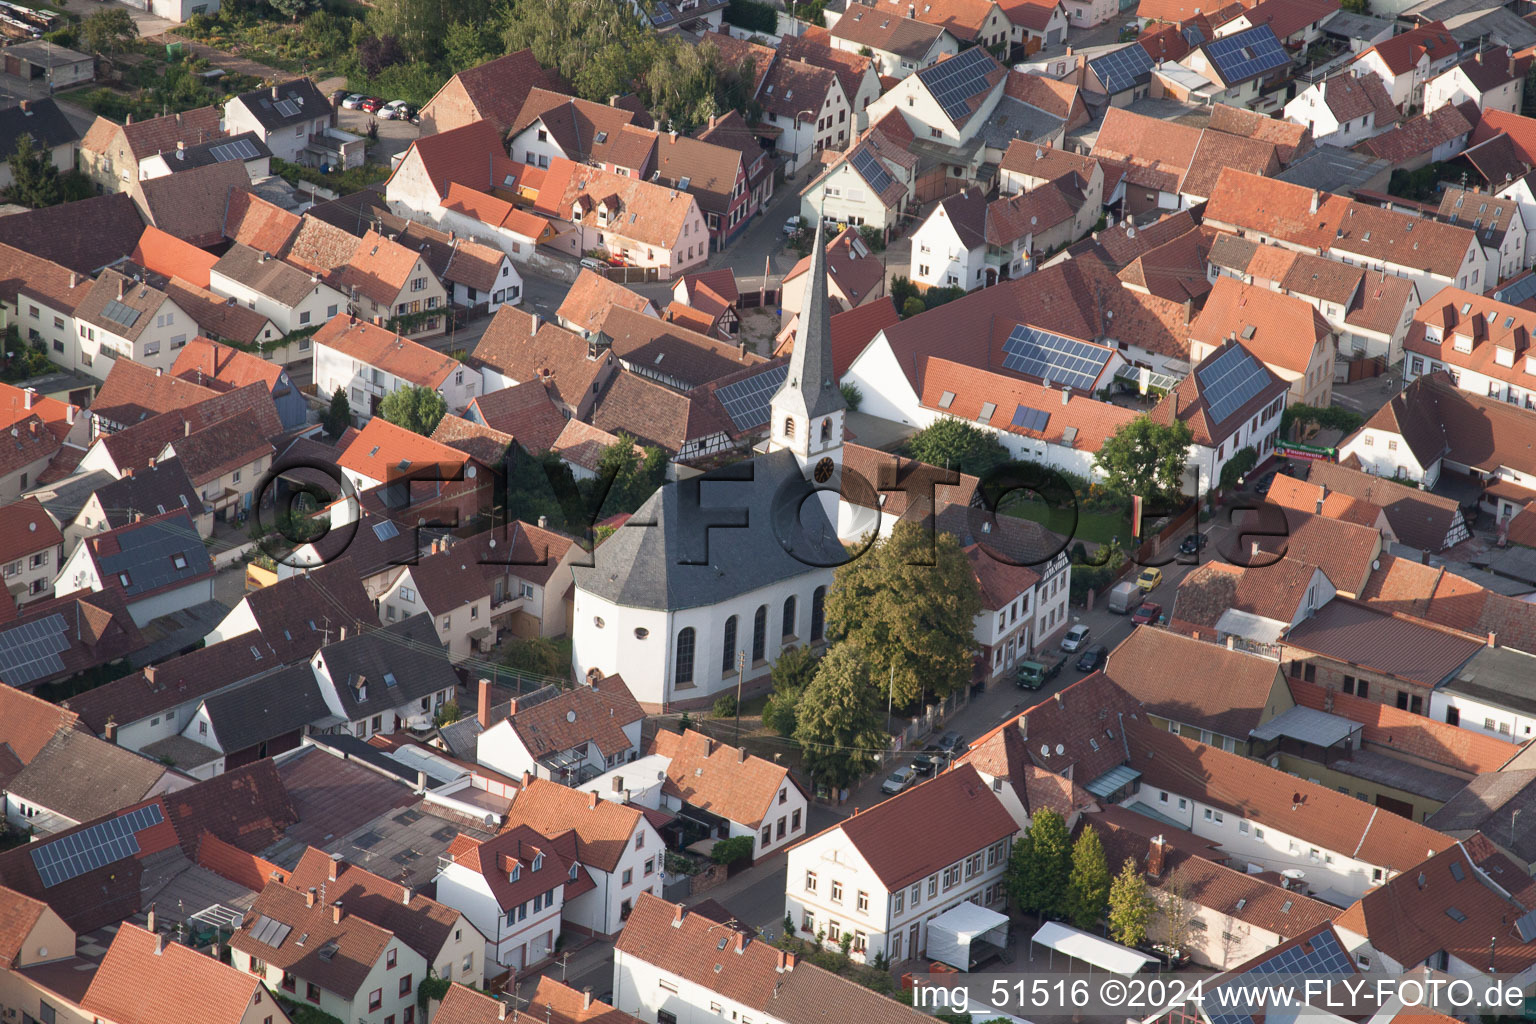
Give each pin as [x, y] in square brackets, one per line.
[1075, 638]
[899, 780]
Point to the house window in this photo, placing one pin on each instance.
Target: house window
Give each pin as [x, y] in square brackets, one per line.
[767, 836]
[629, 876]
[728, 652]
[312, 992]
[837, 891]
[863, 901]
[390, 959]
[405, 985]
[683, 676]
[794, 819]
[760, 633]
[810, 881]
[375, 999]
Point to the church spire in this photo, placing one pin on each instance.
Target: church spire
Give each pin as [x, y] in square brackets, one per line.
[810, 365]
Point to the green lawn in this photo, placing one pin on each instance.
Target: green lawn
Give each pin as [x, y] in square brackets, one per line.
[1092, 527]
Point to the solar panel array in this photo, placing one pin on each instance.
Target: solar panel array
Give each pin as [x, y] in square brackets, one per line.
[1123, 68]
[94, 847]
[147, 558]
[240, 149]
[287, 108]
[269, 932]
[1193, 36]
[1229, 382]
[1247, 54]
[119, 313]
[953, 82]
[746, 401]
[385, 529]
[1028, 418]
[1325, 958]
[1050, 356]
[872, 171]
[31, 651]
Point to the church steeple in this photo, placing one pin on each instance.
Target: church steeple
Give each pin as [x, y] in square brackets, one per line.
[808, 408]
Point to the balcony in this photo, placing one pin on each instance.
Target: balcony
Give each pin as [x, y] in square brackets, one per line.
[334, 149]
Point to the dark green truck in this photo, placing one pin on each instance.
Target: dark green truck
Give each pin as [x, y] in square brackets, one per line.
[1035, 674]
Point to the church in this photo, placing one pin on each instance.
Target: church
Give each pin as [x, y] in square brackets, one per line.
[715, 575]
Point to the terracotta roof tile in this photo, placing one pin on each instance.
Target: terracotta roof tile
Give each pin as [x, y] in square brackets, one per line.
[81, 777]
[889, 31]
[139, 982]
[358, 943]
[51, 232]
[106, 633]
[734, 51]
[583, 444]
[380, 449]
[160, 134]
[1289, 139]
[652, 346]
[1192, 681]
[25, 528]
[19, 914]
[30, 722]
[484, 444]
[383, 348]
[1401, 52]
[1218, 150]
[1419, 518]
[1002, 754]
[168, 255]
[494, 860]
[1396, 645]
[1187, 402]
[603, 828]
[592, 295]
[259, 224]
[720, 779]
[192, 205]
[1281, 330]
[786, 79]
[1406, 734]
[22, 273]
[851, 68]
[523, 347]
[853, 330]
[220, 318]
[203, 360]
[1419, 136]
[524, 411]
[560, 1003]
[583, 129]
[498, 87]
[1089, 421]
[963, 18]
[133, 393]
[653, 414]
[1160, 152]
[423, 924]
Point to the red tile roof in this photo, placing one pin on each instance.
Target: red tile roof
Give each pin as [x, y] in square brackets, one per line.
[720, 779]
[383, 348]
[383, 452]
[254, 222]
[603, 828]
[1281, 330]
[423, 924]
[592, 295]
[495, 859]
[19, 914]
[1089, 421]
[30, 722]
[524, 347]
[526, 412]
[134, 393]
[1402, 52]
[1419, 136]
[204, 362]
[557, 1002]
[498, 87]
[25, 528]
[168, 255]
[1199, 683]
[141, 981]
[1187, 402]
[355, 944]
[1406, 735]
[853, 330]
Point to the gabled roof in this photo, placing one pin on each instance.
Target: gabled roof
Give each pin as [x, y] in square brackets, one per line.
[134, 392]
[51, 233]
[208, 454]
[720, 779]
[337, 956]
[525, 412]
[252, 221]
[423, 924]
[603, 828]
[585, 130]
[971, 89]
[1281, 330]
[576, 717]
[285, 103]
[157, 134]
[139, 304]
[853, 330]
[267, 275]
[81, 777]
[210, 364]
[1195, 682]
[1354, 96]
[150, 979]
[1421, 135]
[498, 87]
[95, 629]
[1419, 518]
[1396, 645]
[267, 707]
[650, 345]
[525, 347]
[192, 205]
[963, 18]
[168, 255]
[1002, 754]
[1306, 496]
[1288, 17]
[851, 68]
[1072, 419]
[21, 272]
[25, 528]
[647, 213]
[887, 30]
[464, 155]
[145, 558]
[856, 271]
[384, 453]
[592, 295]
[484, 444]
[1159, 152]
[19, 914]
[133, 447]
[380, 347]
[1343, 550]
[518, 848]
[42, 120]
[657, 415]
[1402, 52]
[1188, 401]
[28, 723]
[386, 667]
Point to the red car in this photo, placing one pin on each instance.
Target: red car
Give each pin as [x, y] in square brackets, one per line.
[1147, 613]
[372, 104]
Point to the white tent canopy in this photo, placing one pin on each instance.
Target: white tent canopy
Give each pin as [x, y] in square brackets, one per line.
[951, 934]
[1091, 949]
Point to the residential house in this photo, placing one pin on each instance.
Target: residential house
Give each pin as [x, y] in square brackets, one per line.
[710, 299]
[1343, 110]
[567, 737]
[31, 551]
[296, 616]
[1345, 551]
[1342, 845]
[898, 44]
[1286, 333]
[1245, 69]
[1490, 80]
[120, 318]
[509, 578]
[154, 490]
[1002, 628]
[671, 354]
[90, 630]
[1407, 61]
[1304, 496]
[1296, 25]
[527, 413]
[1036, 25]
[512, 888]
[158, 565]
[226, 462]
[554, 126]
[1417, 518]
[416, 473]
[855, 276]
[134, 393]
[247, 149]
[77, 777]
[254, 719]
[1486, 695]
[1481, 343]
[857, 72]
[563, 1004]
[191, 205]
[112, 155]
[311, 949]
[293, 299]
[686, 426]
[791, 88]
[492, 92]
[618, 847]
[1497, 223]
[375, 680]
[970, 242]
[222, 368]
[985, 24]
[1438, 135]
[40, 298]
[663, 965]
[732, 130]
[1389, 658]
[148, 978]
[395, 280]
[871, 185]
[592, 295]
[49, 130]
[1198, 689]
[367, 362]
[519, 347]
[1251, 606]
[297, 123]
[858, 877]
[716, 176]
[947, 103]
[754, 797]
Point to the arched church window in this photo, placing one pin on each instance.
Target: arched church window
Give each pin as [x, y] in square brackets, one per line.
[826, 431]
[728, 654]
[818, 614]
[789, 616]
[760, 633]
[683, 676]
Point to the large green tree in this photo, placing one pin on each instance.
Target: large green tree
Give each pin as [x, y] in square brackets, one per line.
[417, 409]
[339, 416]
[956, 444]
[1040, 867]
[36, 182]
[1146, 458]
[913, 646]
[635, 475]
[841, 720]
[1088, 886]
[108, 30]
[792, 673]
[1130, 906]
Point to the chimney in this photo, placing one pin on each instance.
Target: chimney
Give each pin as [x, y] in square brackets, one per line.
[1231, 643]
[74, 279]
[527, 779]
[69, 414]
[591, 801]
[789, 961]
[741, 941]
[421, 780]
[677, 915]
[181, 148]
[1157, 854]
[31, 396]
[335, 865]
[484, 712]
[1316, 198]
[1319, 505]
[111, 731]
[309, 897]
[741, 755]
[501, 1010]
[274, 93]
[341, 634]
[780, 966]
[149, 925]
[618, 783]
[586, 998]
[159, 944]
[149, 673]
[336, 912]
[158, 371]
[119, 289]
[1066, 395]
[1493, 639]
[543, 522]
[186, 428]
[407, 894]
[511, 707]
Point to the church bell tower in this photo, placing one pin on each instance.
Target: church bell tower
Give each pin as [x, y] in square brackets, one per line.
[808, 409]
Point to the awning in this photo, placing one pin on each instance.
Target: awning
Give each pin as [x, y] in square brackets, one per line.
[480, 634]
[1307, 725]
[1113, 780]
[952, 933]
[1249, 626]
[1090, 949]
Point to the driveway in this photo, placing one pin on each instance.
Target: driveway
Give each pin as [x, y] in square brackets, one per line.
[395, 137]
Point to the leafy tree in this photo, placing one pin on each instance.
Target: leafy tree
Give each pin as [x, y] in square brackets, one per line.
[467, 44]
[912, 646]
[108, 30]
[841, 719]
[339, 416]
[753, 16]
[956, 444]
[791, 674]
[1088, 887]
[1040, 867]
[729, 851]
[852, 396]
[379, 52]
[1357, 6]
[1238, 465]
[417, 409]
[538, 655]
[912, 306]
[1146, 458]
[635, 476]
[291, 9]
[726, 706]
[682, 89]
[1330, 417]
[1178, 915]
[530, 493]
[1130, 906]
[36, 182]
[416, 25]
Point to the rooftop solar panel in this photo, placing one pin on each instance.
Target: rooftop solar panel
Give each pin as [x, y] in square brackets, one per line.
[872, 171]
[240, 149]
[287, 108]
[1027, 418]
[1323, 956]
[1053, 357]
[31, 651]
[746, 401]
[119, 313]
[1123, 68]
[385, 530]
[108, 842]
[1247, 54]
[954, 81]
[1229, 382]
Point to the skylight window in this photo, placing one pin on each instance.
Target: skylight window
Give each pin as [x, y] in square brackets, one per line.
[179, 560]
[374, 452]
[946, 399]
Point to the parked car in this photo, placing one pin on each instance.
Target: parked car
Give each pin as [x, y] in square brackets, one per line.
[1076, 637]
[899, 780]
[593, 263]
[951, 743]
[353, 101]
[1193, 544]
[1093, 658]
[792, 225]
[617, 261]
[397, 110]
[1265, 484]
[371, 104]
[1147, 614]
[1042, 669]
[1124, 596]
[926, 763]
[1149, 579]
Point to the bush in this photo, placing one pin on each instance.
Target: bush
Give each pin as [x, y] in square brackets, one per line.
[852, 396]
[729, 851]
[726, 706]
[912, 307]
[353, 179]
[539, 655]
[873, 237]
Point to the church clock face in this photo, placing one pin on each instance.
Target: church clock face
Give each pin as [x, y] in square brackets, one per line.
[824, 470]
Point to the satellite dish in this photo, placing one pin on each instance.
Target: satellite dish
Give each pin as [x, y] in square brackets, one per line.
[1060, 749]
[570, 716]
[1045, 750]
[1295, 874]
[490, 821]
